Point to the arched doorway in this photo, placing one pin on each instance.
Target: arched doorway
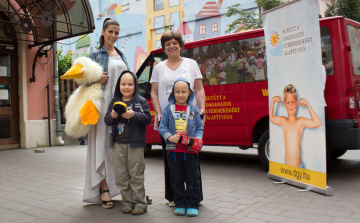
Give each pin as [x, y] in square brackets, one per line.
[9, 99]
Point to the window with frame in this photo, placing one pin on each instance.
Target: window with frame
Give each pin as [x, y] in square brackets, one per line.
[159, 23]
[173, 3]
[144, 74]
[157, 44]
[326, 50]
[354, 37]
[158, 4]
[239, 61]
[214, 27]
[202, 29]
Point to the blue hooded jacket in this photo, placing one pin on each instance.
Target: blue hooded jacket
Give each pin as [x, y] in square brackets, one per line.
[167, 124]
[138, 123]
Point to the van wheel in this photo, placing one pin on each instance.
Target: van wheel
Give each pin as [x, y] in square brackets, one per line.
[264, 149]
[147, 148]
[336, 154]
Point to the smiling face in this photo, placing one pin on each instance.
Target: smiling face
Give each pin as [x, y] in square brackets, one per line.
[181, 92]
[291, 103]
[111, 34]
[127, 86]
[172, 48]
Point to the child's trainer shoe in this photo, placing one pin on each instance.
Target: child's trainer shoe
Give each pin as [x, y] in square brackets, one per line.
[138, 210]
[180, 211]
[127, 208]
[192, 212]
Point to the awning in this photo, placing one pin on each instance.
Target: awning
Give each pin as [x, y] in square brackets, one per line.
[46, 21]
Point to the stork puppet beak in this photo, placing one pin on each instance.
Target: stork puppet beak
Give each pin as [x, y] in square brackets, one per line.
[74, 72]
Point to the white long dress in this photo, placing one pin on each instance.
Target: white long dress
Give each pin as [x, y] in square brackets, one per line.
[99, 162]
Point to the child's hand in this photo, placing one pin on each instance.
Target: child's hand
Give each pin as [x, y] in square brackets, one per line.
[114, 114]
[129, 114]
[277, 99]
[303, 102]
[175, 138]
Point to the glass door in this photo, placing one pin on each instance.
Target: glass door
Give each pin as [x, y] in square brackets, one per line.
[9, 105]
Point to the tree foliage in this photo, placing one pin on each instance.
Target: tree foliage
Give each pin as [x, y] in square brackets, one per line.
[249, 19]
[347, 8]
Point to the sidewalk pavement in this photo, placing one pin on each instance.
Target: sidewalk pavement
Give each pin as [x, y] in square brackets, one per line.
[48, 187]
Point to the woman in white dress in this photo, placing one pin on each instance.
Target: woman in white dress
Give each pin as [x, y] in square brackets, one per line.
[100, 179]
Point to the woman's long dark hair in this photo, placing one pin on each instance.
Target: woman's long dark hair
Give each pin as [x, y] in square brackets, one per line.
[107, 22]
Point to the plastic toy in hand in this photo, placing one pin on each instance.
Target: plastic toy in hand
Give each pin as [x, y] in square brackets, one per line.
[120, 108]
[190, 142]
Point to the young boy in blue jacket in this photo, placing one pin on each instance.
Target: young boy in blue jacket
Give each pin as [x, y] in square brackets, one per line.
[180, 117]
[127, 140]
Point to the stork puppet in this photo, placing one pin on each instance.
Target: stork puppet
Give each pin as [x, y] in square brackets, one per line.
[83, 107]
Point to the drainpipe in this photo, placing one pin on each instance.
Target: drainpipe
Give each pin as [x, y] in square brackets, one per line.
[57, 99]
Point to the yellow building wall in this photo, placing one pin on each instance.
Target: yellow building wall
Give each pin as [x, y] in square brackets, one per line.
[150, 35]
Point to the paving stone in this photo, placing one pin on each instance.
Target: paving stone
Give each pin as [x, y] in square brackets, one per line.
[48, 188]
[344, 220]
[251, 220]
[17, 217]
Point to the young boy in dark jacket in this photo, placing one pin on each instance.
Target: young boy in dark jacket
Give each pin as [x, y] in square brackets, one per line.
[180, 117]
[128, 139]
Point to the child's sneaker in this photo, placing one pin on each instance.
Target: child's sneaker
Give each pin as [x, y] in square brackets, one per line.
[179, 211]
[192, 212]
[126, 209]
[171, 204]
[138, 210]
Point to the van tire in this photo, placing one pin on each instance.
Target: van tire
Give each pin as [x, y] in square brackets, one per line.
[264, 149]
[147, 148]
[336, 154]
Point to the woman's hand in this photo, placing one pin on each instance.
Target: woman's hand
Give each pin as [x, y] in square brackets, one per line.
[158, 120]
[103, 79]
[202, 116]
[129, 114]
[174, 138]
[114, 114]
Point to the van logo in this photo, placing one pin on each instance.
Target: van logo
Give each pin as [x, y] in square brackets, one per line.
[276, 48]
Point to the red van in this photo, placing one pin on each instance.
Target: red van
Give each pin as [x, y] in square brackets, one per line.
[237, 108]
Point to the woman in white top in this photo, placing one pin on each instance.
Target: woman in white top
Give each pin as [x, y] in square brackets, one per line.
[162, 80]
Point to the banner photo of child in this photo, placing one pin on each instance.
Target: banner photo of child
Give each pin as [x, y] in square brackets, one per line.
[296, 93]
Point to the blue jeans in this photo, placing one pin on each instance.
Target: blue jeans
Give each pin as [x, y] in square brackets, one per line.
[184, 168]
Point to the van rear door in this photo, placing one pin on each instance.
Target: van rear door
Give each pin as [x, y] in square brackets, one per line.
[353, 31]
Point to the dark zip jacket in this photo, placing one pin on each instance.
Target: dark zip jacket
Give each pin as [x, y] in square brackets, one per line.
[139, 122]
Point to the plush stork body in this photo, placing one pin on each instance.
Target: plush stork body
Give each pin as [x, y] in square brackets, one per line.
[83, 107]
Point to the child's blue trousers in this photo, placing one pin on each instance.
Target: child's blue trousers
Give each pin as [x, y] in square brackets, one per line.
[184, 169]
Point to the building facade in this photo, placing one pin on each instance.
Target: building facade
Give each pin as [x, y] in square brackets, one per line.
[142, 22]
[23, 103]
[27, 67]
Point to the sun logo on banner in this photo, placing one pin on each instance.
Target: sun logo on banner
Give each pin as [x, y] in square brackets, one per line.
[275, 48]
[274, 39]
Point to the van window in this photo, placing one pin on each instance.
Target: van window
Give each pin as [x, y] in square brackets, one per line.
[144, 86]
[354, 37]
[145, 75]
[326, 50]
[232, 62]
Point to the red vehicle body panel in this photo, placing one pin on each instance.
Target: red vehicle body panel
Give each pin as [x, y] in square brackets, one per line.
[247, 125]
